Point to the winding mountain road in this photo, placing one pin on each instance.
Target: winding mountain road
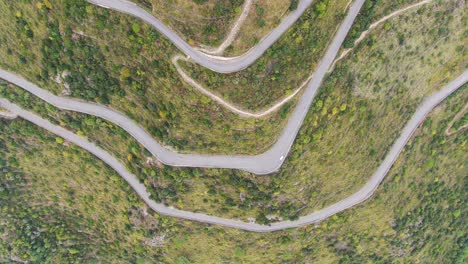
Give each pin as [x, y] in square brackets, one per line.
[363, 194]
[277, 105]
[264, 163]
[267, 162]
[216, 63]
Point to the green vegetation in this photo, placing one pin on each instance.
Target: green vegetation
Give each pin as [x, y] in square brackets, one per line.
[459, 122]
[263, 17]
[183, 187]
[164, 181]
[417, 215]
[95, 54]
[88, 51]
[371, 11]
[283, 67]
[60, 204]
[293, 5]
[291, 61]
[359, 112]
[207, 22]
[79, 64]
[363, 105]
[356, 117]
[201, 22]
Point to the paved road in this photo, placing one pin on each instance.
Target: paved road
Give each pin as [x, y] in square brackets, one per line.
[358, 197]
[215, 63]
[7, 115]
[265, 163]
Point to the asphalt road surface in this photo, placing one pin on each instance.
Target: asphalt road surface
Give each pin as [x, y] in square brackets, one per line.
[216, 63]
[267, 162]
[261, 164]
[363, 194]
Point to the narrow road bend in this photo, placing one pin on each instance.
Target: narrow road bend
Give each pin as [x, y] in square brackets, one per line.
[265, 163]
[216, 63]
[363, 194]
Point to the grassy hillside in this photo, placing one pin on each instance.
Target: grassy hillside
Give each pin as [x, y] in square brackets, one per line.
[91, 216]
[417, 215]
[198, 21]
[207, 22]
[74, 48]
[367, 100]
[60, 204]
[347, 132]
[285, 66]
[359, 112]
[71, 47]
[343, 140]
[263, 17]
[91, 53]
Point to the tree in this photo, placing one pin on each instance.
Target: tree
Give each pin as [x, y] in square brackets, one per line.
[293, 5]
[320, 8]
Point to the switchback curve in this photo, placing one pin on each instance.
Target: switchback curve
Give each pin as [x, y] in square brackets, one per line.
[215, 63]
[267, 162]
[360, 196]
